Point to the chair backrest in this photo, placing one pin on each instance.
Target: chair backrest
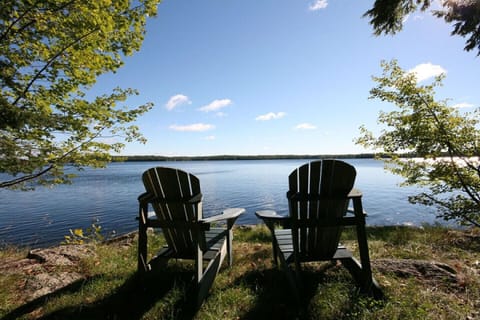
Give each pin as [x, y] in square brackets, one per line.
[172, 187]
[318, 190]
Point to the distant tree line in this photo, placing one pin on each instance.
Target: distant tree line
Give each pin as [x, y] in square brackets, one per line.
[251, 157]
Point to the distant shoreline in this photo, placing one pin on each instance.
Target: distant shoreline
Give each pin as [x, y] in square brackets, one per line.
[241, 157]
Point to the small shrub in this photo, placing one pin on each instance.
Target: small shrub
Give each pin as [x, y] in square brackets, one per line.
[78, 236]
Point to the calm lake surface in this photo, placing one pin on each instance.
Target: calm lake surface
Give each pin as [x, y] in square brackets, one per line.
[109, 197]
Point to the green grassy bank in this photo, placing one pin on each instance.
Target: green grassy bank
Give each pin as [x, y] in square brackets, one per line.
[254, 289]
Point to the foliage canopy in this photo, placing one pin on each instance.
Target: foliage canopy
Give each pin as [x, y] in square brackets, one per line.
[387, 16]
[51, 53]
[446, 141]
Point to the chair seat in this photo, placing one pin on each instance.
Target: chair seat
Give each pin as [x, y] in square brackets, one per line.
[285, 244]
[215, 238]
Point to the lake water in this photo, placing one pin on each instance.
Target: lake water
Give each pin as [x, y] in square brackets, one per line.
[109, 196]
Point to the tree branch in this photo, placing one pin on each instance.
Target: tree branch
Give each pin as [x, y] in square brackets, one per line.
[4, 35]
[452, 152]
[49, 62]
[25, 178]
[9, 28]
[444, 205]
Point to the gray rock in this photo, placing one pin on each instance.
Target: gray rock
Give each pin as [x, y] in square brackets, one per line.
[48, 270]
[44, 283]
[62, 255]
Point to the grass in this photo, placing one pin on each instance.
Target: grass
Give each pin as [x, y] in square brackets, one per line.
[254, 289]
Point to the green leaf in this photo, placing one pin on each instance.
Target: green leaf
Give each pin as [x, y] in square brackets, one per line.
[51, 53]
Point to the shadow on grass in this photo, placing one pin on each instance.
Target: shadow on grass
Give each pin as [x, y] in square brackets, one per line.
[135, 297]
[38, 302]
[327, 293]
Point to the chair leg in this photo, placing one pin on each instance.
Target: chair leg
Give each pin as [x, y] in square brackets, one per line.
[206, 279]
[229, 246]
[367, 281]
[369, 285]
[142, 242]
[364, 256]
[291, 277]
[364, 279]
[355, 269]
[275, 251]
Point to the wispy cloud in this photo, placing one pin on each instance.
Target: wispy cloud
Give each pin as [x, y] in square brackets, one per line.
[318, 5]
[176, 101]
[426, 71]
[210, 138]
[462, 105]
[216, 105]
[270, 116]
[305, 126]
[196, 127]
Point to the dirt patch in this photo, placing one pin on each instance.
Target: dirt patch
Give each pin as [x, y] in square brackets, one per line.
[432, 273]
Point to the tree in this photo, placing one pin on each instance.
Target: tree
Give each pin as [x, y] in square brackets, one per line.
[51, 53]
[387, 17]
[445, 142]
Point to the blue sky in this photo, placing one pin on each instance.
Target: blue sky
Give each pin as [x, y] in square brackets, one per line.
[276, 76]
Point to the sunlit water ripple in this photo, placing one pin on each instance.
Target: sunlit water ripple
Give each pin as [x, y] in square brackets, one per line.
[109, 197]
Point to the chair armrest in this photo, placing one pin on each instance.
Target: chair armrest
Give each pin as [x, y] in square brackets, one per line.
[269, 214]
[227, 214]
[354, 193]
[271, 217]
[356, 196]
[351, 210]
[145, 197]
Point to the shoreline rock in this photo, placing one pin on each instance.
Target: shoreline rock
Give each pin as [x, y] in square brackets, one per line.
[41, 269]
[47, 270]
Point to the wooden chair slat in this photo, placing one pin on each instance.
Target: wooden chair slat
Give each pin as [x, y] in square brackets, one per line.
[314, 189]
[176, 199]
[303, 182]
[318, 196]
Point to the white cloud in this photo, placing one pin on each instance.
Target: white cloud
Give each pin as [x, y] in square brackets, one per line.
[196, 127]
[462, 105]
[305, 126]
[270, 116]
[425, 71]
[176, 101]
[216, 105]
[209, 138]
[318, 5]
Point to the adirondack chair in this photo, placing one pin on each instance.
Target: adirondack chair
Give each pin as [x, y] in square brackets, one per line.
[176, 199]
[318, 196]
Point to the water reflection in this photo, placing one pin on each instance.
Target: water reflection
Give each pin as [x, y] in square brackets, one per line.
[110, 196]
